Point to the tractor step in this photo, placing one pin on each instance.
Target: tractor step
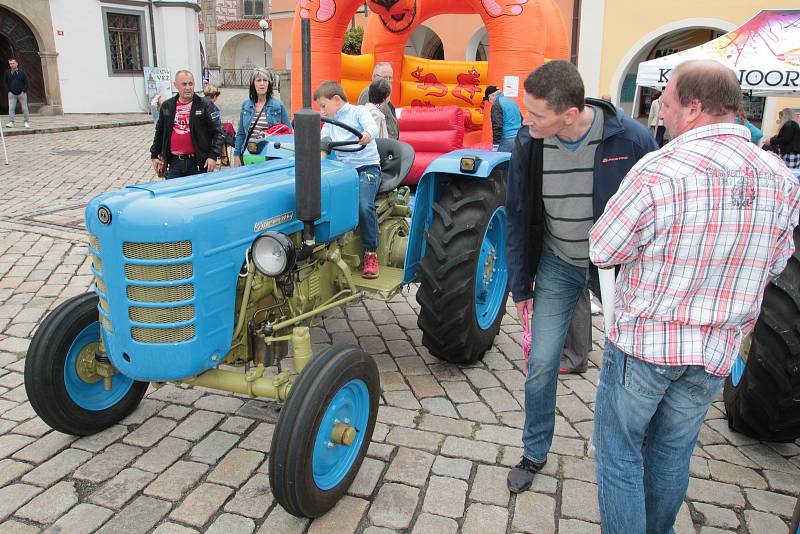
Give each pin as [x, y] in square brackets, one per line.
[390, 279]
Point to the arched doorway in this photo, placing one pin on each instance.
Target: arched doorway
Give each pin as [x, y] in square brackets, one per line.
[669, 44]
[670, 38]
[424, 42]
[478, 45]
[239, 55]
[17, 40]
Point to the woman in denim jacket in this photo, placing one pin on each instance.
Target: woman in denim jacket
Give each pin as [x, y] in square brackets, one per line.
[274, 112]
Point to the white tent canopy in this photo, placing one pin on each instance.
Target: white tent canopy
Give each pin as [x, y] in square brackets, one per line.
[764, 52]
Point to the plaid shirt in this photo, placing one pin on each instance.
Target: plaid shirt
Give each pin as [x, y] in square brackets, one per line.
[698, 228]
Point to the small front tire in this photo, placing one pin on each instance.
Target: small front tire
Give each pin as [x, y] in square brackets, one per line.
[58, 390]
[309, 471]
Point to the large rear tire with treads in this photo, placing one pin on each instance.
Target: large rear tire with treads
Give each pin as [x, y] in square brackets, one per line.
[464, 273]
[762, 395]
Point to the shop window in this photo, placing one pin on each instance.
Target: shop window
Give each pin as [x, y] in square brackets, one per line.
[124, 42]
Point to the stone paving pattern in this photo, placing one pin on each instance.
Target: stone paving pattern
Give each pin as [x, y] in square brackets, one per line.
[195, 460]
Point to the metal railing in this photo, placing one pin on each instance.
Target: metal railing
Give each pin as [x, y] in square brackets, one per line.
[236, 77]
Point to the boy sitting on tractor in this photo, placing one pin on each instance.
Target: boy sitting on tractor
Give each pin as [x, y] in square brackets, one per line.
[332, 102]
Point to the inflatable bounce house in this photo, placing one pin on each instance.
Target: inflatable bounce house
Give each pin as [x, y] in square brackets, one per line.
[440, 103]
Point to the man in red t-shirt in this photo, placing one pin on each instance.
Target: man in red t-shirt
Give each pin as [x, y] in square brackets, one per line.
[187, 140]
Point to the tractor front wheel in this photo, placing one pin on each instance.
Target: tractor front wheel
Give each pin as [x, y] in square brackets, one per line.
[464, 273]
[59, 379]
[324, 431]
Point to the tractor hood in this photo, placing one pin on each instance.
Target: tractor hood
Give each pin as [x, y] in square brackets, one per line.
[184, 241]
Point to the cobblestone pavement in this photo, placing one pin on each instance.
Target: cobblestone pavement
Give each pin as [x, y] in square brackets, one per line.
[194, 460]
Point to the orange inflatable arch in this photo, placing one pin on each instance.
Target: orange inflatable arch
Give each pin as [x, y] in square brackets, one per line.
[522, 33]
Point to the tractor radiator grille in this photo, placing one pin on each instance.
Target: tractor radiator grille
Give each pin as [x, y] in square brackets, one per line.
[157, 251]
[162, 335]
[97, 263]
[161, 294]
[157, 273]
[161, 315]
[160, 291]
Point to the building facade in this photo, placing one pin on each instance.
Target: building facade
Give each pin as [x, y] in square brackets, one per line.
[89, 56]
[616, 36]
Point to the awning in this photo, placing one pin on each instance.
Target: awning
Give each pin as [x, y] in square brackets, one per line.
[764, 52]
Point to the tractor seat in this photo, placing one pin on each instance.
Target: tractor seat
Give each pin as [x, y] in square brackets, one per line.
[396, 160]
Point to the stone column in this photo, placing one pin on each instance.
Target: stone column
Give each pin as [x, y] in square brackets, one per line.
[210, 33]
[52, 89]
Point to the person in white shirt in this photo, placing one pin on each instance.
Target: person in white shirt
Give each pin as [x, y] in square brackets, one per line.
[655, 122]
[379, 92]
[332, 102]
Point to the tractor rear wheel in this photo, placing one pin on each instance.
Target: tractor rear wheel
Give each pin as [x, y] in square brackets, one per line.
[762, 395]
[61, 385]
[324, 431]
[464, 273]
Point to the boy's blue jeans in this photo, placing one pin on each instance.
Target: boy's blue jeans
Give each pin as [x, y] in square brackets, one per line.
[369, 181]
[640, 488]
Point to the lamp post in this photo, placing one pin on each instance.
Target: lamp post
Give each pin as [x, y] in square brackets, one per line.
[263, 24]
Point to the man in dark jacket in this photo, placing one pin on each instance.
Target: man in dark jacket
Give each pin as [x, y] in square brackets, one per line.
[16, 81]
[565, 166]
[187, 140]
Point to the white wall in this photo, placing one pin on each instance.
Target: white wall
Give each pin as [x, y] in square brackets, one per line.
[590, 48]
[179, 40]
[250, 53]
[86, 85]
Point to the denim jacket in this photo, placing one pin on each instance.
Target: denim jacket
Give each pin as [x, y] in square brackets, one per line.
[275, 112]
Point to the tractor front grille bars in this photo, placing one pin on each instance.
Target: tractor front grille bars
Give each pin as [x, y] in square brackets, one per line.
[159, 278]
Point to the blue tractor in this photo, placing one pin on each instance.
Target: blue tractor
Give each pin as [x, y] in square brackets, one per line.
[214, 280]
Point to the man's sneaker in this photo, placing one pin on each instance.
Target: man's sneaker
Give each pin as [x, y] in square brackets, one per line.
[521, 476]
[10, 125]
[27, 124]
[370, 268]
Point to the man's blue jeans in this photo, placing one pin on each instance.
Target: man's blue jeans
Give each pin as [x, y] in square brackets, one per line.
[641, 488]
[369, 181]
[22, 98]
[556, 290]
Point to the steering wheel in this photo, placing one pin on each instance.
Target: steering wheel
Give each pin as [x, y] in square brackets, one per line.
[336, 145]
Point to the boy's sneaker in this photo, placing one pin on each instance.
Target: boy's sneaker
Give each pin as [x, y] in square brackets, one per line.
[370, 267]
[521, 476]
[10, 125]
[27, 124]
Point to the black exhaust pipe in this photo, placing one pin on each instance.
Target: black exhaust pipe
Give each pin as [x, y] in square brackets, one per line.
[307, 166]
[305, 55]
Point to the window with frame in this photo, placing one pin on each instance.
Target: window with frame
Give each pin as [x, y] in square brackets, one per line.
[124, 39]
[253, 9]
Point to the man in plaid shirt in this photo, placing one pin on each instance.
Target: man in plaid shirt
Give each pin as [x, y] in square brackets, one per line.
[697, 228]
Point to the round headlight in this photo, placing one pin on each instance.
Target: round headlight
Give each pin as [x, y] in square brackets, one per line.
[273, 254]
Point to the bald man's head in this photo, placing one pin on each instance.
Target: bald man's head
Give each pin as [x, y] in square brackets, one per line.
[710, 83]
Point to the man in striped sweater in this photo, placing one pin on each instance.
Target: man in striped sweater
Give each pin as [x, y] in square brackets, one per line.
[564, 168]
